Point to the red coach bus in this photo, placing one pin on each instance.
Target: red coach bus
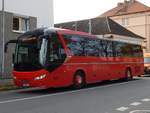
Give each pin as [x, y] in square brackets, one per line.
[58, 58]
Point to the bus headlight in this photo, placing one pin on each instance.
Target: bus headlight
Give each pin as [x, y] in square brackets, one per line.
[14, 78]
[40, 77]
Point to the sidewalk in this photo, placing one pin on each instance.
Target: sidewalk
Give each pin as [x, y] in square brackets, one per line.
[6, 82]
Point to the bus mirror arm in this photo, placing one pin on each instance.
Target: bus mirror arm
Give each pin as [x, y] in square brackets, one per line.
[7, 43]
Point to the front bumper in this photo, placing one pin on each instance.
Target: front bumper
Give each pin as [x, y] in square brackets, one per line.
[30, 83]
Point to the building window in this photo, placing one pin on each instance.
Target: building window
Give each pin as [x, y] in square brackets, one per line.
[20, 24]
[125, 21]
[16, 24]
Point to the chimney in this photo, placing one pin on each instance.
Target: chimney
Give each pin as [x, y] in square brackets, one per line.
[126, 1]
[120, 4]
[132, 1]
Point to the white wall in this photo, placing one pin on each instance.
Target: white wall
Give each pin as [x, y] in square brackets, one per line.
[42, 9]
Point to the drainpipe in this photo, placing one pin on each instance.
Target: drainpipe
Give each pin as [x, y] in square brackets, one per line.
[90, 26]
[3, 37]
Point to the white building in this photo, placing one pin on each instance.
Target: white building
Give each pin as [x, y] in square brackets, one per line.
[19, 17]
[42, 9]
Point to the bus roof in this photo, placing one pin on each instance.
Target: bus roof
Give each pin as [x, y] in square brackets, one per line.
[67, 31]
[46, 30]
[41, 31]
[36, 32]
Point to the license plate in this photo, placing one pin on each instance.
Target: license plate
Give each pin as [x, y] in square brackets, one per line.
[26, 85]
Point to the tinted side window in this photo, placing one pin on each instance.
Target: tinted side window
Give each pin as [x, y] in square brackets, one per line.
[82, 46]
[109, 49]
[118, 48]
[106, 48]
[127, 50]
[137, 50]
[103, 48]
[76, 44]
[91, 47]
[122, 49]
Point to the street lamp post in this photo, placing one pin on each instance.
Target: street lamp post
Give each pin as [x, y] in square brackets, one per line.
[90, 26]
[3, 36]
[75, 26]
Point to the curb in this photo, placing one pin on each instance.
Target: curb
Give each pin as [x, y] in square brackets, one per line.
[7, 84]
[8, 87]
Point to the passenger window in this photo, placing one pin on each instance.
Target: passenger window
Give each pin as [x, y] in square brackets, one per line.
[106, 48]
[76, 44]
[92, 47]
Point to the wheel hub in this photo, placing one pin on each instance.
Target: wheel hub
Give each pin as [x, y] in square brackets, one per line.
[78, 79]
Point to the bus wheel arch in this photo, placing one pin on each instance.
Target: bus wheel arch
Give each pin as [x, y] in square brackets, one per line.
[128, 73]
[79, 79]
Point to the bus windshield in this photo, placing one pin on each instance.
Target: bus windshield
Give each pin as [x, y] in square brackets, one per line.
[30, 56]
[27, 56]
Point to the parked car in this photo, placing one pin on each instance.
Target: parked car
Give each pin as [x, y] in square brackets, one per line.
[147, 63]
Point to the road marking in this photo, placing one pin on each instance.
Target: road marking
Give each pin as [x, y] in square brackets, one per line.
[145, 78]
[145, 100]
[140, 111]
[67, 92]
[135, 103]
[122, 109]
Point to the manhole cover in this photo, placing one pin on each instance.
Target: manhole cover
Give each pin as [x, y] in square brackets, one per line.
[140, 111]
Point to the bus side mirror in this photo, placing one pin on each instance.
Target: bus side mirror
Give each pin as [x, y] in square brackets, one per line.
[6, 47]
[13, 58]
[6, 44]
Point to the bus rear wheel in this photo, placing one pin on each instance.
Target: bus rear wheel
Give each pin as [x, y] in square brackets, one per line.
[128, 75]
[79, 80]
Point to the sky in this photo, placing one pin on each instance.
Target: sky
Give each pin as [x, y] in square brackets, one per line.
[64, 10]
[42, 9]
[69, 10]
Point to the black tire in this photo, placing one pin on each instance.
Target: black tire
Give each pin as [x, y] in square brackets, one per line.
[128, 75]
[79, 80]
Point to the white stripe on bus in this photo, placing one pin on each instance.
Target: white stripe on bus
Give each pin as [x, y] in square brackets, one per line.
[104, 63]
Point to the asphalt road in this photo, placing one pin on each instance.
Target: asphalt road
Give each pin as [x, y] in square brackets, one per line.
[107, 97]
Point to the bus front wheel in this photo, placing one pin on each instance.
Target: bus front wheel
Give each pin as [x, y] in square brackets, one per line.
[79, 80]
